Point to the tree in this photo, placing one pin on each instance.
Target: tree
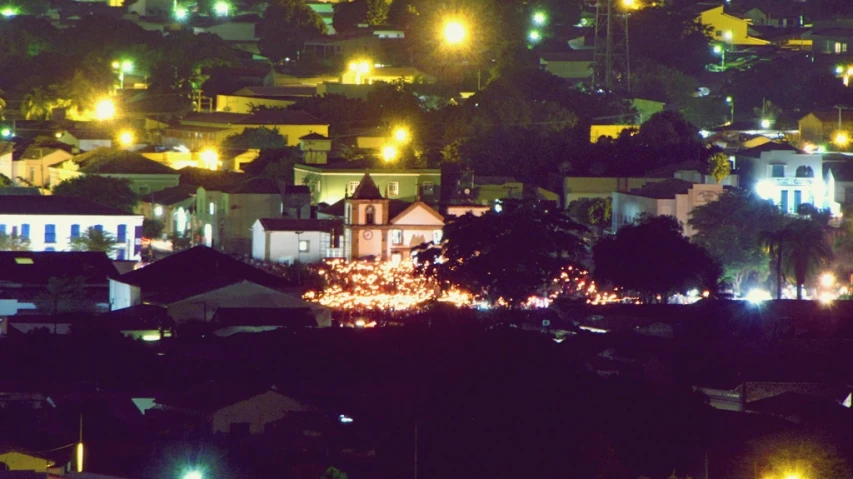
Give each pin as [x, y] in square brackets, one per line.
[114, 192]
[806, 249]
[719, 166]
[482, 254]
[64, 294]
[654, 259]
[688, 39]
[5, 180]
[377, 12]
[729, 229]
[285, 27]
[774, 243]
[348, 15]
[593, 212]
[94, 240]
[334, 473]
[38, 104]
[260, 138]
[14, 242]
[152, 228]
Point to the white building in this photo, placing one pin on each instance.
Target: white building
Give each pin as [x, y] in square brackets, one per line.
[286, 240]
[789, 177]
[672, 197]
[49, 222]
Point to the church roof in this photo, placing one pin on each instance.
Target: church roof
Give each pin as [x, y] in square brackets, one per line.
[367, 189]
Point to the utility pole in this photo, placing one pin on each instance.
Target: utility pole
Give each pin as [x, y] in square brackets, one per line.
[611, 63]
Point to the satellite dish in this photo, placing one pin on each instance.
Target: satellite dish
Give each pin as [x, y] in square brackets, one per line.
[704, 91]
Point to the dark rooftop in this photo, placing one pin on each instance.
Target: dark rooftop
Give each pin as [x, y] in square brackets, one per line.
[170, 196]
[218, 180]
[663, 189]
[755, 152]
[264, 117]
[367, 189]
[293, 224]
[256, 186]
[287, 317]
[115, 161]
[55, 205]
[28, 267]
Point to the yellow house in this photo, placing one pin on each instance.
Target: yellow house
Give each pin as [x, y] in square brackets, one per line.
[726, 28]
[818, 126]
[20, 461]
[216, 126]
[244, 104]
[610, 131]
[386, 74]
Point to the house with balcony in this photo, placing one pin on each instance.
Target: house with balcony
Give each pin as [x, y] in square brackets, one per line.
[672, 197]
[287, 240]
[51, 222]
[144, 175]
[788, 177]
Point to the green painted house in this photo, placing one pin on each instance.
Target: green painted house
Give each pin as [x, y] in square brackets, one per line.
[332, 182]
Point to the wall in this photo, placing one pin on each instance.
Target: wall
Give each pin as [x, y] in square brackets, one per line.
[17, 461]
[576, 187]
[333, 183]
[721, 22]
[577, 70]
[627, 208]
[63, 230]
[231, 31]
[36, 171]
[123, 295]
[282, 246]
[610, 131]
[258, 411]
[244, 104]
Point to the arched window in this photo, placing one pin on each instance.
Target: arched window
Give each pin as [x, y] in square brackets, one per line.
[805, 172]
[370, 215]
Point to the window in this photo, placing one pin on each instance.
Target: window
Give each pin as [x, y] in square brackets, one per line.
[348, 214]
[805, 172]
[144, 190]
[32, 175]
[396, 258]
[351, 186]
[121, 233]
[436, 236]
[99, 228]
[840, 47]
[393, 188]
[335, 240]
[211, 208]
[718, 33]
[75, 231]
[50, 248]
[50, 233]
[370, 215]
[2, 229]
[428, 188]
[25, 231]
[14, 231]
[777, 171]
[304, 246]
[396, 237]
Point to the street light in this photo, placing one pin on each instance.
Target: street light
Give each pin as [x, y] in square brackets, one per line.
[126, 138]
[841, 139]
[630, 4]
[181, 14]
[9, 12]
[402, 135]
[765, 123]
[105, 110]
[209, 158]
[455, 32]
[193, 475]
[540, 18]
[534, 36]
[731, 102]
[390, 153]
[222, 9]
[719, 50]
[359, 68]
[122, 67]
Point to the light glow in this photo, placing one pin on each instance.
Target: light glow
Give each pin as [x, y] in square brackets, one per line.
[827, 280]
[765, 123]
[765, 189]
[6, 132]
[209, 159]
[126, 138]
[194, 475]
[151, 337]
[105, 110]
[534, 36]
[540, 18]
[841, 139]
[402, 135]
[9, 12]
[181, 13]
[455, 32]
[222, 8]
[758, 296]
[79, 457]
[390, 153]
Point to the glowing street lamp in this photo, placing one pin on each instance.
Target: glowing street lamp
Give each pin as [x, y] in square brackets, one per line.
[6, 132]
[193, 475]
[402, 134]
[222, 9]
[731, 102]
[827, 280]
[122, 67]
[210, 159]
[390, 153]
[540, 18]
[126, 138]
[181, 14]
[359, 68]
[719, 50]
[105, 110]
[455, 32]
[630, 4]
[9, 12]
[841, 139]
[765, 123]
[534, 36]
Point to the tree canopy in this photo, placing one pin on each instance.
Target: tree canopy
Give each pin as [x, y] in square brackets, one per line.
[507, 255]
[654, 259]
[94, 240]
[285, 26]
[114, 192]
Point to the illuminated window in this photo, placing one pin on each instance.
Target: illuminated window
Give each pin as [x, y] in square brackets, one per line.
[777, 171]
[304, 246]
[396, 237]
[393, 188]
[212, 208]
[158, 210]
[840, 47]
[23, 260]
[351, 186]
[75, 231]
[370, 215]
[436, 236]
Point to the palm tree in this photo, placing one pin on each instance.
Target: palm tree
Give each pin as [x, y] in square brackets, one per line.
[774, 243]
[14, 242]
[806, 250]
[37, 105]
[2, 107]
[94, 240]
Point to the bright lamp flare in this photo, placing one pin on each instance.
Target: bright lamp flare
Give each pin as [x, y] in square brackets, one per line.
[765, 123]
[539, 18]
[827, 280]
[841, 139]
[758, 296]
[390, 153]
[105, 109]
[630, 4]
[193, 475]
[209, 159]
[455, 32]
[222, 8]
[126, 138]
[402, 135]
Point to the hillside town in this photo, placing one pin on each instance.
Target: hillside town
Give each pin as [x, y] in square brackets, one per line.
[331, 239]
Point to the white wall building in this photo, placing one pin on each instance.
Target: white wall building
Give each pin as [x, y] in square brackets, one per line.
[789, 177]
[49, 222]
[286, 240]
[673, 197]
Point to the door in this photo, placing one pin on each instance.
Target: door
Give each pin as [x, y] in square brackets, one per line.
[798, 199]
[784, 203]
